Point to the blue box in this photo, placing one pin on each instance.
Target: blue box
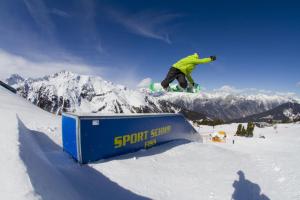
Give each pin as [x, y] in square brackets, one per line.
[89, 138]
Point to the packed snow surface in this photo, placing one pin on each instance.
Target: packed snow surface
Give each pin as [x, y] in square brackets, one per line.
[33, 165]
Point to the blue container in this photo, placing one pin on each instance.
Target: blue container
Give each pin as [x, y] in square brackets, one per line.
[89, 138]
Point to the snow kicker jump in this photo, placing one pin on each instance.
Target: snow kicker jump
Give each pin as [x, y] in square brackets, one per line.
[89, 138]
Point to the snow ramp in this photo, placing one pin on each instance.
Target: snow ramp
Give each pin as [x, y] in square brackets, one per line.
[89, 137]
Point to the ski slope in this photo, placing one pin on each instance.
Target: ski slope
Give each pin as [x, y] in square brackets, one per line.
[33, 165]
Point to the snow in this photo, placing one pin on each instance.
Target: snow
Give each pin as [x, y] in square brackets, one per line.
[33, 165]
[15, 181]
[84, 93]
[290, 114]
[233, 98]
[100, 94]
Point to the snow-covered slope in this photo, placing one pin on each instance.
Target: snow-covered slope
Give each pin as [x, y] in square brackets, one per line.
[33, 165]
[15, 183]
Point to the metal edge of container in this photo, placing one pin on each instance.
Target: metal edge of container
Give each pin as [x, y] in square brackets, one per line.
[130, 116]
[78, 140]
[69, 115]
[119, 115]
[187, 121]
[77, 134]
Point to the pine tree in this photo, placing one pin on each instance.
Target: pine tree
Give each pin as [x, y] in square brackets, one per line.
[244, 132]
[250, 129]
[239, 130]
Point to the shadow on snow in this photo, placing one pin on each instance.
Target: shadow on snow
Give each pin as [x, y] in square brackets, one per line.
[54, 175]
[246, 190]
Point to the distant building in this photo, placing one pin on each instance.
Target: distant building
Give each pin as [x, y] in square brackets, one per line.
[219, 136]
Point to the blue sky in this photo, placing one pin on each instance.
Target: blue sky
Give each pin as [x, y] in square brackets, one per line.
[256, 42]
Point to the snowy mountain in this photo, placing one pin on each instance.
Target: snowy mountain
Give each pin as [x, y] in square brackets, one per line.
[228, 105]
[287, 112]
[15, 79]
[66, 91]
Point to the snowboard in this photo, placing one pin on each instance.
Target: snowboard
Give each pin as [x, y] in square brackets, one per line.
[156, 87]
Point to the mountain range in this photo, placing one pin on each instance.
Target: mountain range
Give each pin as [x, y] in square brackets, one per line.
[228, 105]
[67, 91]
[287, 112]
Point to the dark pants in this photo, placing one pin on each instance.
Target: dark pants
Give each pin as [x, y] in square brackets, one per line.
[172, 75]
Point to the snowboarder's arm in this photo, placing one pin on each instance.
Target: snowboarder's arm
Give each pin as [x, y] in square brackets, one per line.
[204, 60]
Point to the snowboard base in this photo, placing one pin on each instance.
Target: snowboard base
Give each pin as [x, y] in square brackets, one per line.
[156, 87]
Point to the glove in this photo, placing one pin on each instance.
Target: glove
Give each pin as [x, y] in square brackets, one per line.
[213, 58]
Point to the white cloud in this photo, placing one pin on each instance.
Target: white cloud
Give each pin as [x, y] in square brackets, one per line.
[14, 64]
[234, 90]
[147, 24]
[126, 75]
[228, 89]
[144, 83]
[89, 26]
[60, 13]
[39, 13]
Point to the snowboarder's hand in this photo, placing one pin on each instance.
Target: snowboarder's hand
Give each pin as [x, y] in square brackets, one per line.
[213, 58]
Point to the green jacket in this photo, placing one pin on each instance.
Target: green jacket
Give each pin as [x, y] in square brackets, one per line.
[186, 65]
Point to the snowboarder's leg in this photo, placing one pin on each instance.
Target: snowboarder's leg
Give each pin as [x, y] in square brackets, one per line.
[171, 76]
[182, 80]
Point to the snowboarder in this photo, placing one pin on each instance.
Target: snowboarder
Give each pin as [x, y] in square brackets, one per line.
[182, 70]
